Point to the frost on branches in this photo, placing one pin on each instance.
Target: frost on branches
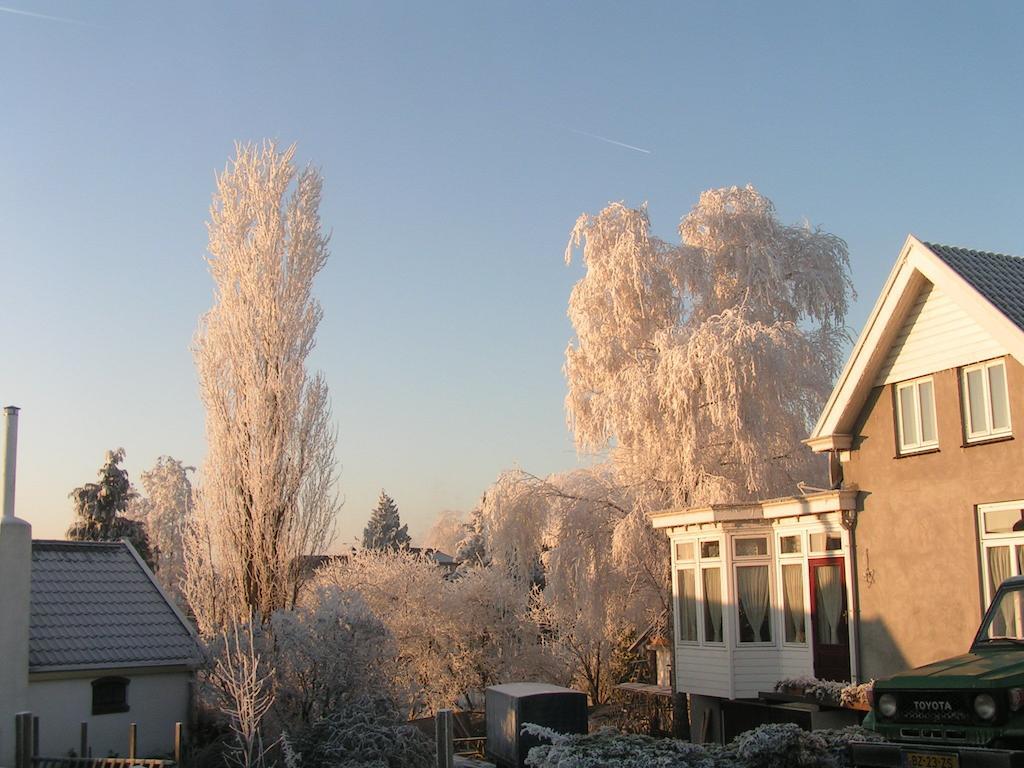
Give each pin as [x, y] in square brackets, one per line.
[600, 569]
[452, 638]
[166, 508]
[702, 365]
[267, 496]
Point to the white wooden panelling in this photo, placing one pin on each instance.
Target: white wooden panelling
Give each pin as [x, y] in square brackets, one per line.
[937, 334]
[703, 670]
[759, 669]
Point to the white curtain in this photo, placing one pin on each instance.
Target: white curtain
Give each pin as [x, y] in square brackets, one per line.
[712, 605]
[752, 585]
[793, 602]
[687, 605]
[830, 603]
[998, 572]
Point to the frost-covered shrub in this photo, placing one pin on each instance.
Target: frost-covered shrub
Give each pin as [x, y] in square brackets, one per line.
[367, 732]
[782, 745]
[856, 695]
[608, 747]
[328, 649]
[820, 690]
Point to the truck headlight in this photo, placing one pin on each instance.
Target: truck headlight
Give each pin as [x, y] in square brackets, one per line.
[887, 705]
[985, 706]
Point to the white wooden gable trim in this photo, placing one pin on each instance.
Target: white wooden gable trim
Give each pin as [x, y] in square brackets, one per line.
[916, 267]
[923, 346]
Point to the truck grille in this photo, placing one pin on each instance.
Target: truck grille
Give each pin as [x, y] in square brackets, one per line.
[934, 707]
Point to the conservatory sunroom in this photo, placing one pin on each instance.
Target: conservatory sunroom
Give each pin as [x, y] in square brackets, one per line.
[761, 593]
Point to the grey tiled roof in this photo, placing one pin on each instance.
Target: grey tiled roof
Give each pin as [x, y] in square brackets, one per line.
[94, 605]
[996, 276]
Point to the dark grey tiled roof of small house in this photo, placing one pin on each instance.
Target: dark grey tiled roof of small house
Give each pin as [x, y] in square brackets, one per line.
[996, 276]
[94, 605]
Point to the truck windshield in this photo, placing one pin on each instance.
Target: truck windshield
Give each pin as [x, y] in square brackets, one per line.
[1006, 618]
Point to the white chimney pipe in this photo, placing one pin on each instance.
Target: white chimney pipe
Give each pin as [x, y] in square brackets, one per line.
[10, 457]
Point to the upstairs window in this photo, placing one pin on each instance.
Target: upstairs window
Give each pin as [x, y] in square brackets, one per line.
[915, 416]
[986, 401]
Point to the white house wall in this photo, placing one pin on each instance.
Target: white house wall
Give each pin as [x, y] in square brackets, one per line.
[156, 702]
[923, 346]
[703, 670]
[736, 670]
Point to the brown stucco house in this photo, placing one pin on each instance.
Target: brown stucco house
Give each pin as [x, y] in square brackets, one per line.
[892, 566]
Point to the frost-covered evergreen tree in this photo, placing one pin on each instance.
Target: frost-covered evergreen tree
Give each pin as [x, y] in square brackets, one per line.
[385, 529]
[702, 365]
[100, 510]
[268, 494]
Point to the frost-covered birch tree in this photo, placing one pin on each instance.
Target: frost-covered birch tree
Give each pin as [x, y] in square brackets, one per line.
[165, 506]
[702, 365]
[599, 567]
[268, 484]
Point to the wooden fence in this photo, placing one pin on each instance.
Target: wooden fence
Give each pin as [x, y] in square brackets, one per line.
[26, 751]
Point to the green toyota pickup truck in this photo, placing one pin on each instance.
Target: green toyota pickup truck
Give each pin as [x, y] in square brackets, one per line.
[964, 712]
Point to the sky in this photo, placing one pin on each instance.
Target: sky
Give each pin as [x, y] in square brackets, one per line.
[459, 142]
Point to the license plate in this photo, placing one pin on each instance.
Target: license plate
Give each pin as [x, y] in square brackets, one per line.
[930, 760]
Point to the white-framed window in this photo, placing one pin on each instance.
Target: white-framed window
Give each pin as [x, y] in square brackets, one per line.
[753, 589]
[1001, 532]
[986, 403]
[698, 591]
[915, 416]
[792, 575]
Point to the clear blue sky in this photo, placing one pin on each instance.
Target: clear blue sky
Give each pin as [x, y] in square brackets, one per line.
[452, 140]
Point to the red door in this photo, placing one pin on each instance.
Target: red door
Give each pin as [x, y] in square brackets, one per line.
[830, 627]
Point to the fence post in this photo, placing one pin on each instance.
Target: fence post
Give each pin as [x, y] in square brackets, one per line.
[132, 732]
[23, 740]
[444, 735]
[177, 744]
[83, 740]
[35, 736]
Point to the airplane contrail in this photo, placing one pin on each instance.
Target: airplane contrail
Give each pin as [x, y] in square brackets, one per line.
[61, 19]
[611, 141]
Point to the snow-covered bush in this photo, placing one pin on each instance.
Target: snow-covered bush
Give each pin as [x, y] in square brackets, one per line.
[452, 638]
[846, 694]
[782, 745]
[856, 695]
[820, 690]
[365, 732]
[608, 747]
[330, 648]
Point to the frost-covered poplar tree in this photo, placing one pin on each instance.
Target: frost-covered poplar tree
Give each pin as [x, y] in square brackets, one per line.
[702, 365]
[166, 508]
[384, 529]
[268, 495]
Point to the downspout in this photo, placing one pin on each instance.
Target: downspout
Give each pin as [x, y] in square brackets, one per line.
[849, 520]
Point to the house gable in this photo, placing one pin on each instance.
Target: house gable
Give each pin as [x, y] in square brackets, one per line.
[932, 292]
[922, 344]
